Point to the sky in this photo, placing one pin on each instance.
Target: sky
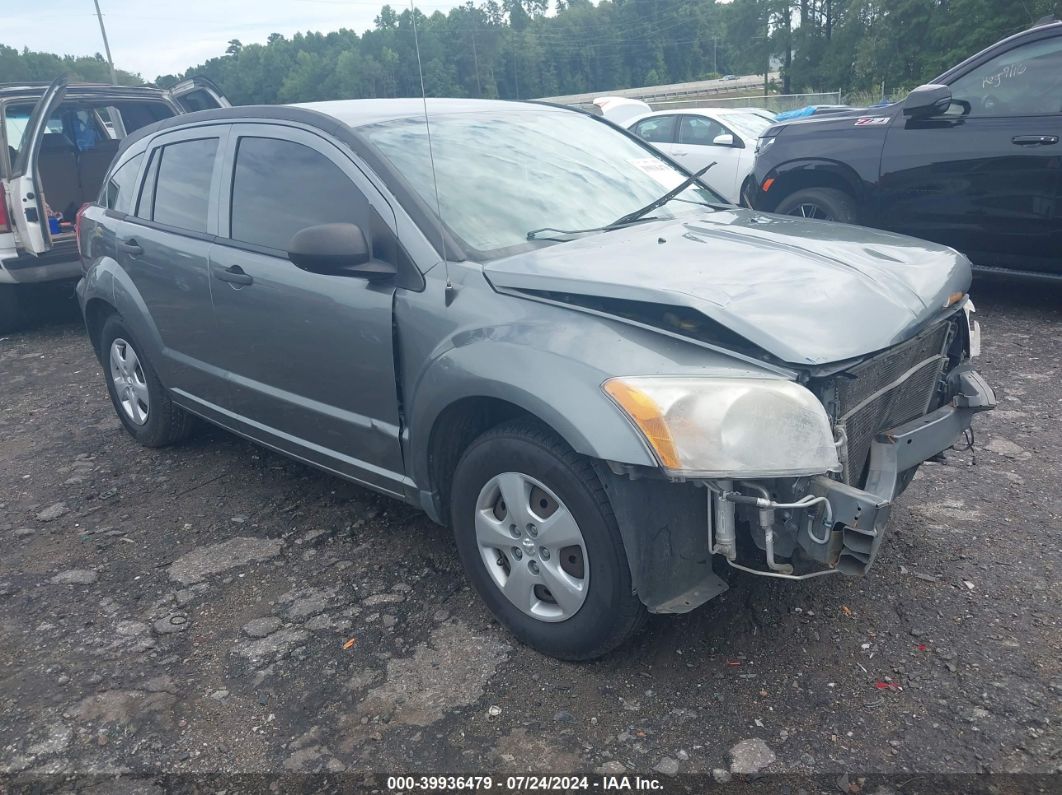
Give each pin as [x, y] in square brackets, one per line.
[155, 38]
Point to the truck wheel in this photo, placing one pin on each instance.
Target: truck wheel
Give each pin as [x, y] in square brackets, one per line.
[142, 403]
[539, 542]
[10, 311]
[825, 204]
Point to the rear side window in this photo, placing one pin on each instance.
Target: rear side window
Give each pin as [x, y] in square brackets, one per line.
[121, 187]
[182, 190]
[280, 187]
[657, 130]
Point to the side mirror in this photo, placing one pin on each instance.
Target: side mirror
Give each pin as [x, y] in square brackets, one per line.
[336, 250]
[723, 140]
[927, 100]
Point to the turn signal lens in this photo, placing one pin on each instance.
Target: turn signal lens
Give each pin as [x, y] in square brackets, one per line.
[648, 417]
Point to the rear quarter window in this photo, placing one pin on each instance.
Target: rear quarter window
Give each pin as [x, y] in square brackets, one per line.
[120, 189]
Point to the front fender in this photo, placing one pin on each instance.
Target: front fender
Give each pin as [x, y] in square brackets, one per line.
[804, 173]
[562, 392]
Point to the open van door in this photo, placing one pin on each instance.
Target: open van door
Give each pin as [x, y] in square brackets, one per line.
[198, 93]
[29, 212]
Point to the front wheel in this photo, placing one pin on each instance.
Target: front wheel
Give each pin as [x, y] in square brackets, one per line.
[539, 542]
[824, 204]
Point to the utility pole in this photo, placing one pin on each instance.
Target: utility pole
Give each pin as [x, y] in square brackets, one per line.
[715, 54]
[106, 45]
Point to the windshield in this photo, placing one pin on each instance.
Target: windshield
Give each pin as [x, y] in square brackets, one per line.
[505, 173]
[748, 125]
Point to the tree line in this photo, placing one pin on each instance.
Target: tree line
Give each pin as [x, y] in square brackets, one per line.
[518, 49]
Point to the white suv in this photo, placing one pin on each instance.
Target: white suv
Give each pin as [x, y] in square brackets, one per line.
[56, 144]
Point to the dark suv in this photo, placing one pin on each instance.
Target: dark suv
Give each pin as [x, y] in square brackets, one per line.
[972, 160]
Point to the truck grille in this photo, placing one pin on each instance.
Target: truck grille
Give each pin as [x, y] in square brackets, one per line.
[885, 391]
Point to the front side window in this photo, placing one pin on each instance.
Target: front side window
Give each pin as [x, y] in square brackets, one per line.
[1025, 81]
[504, 173]
[280, 187]
[120, 190]
[182, 189]
[700, 131]
[657, 130]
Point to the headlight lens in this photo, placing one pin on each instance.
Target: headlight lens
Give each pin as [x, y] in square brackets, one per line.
[729, 427]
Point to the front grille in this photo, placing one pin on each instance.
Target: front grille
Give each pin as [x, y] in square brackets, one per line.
[885, 391]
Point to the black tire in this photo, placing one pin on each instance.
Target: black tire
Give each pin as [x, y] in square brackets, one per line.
[826, 204]
[611, 613]
[11, 314]
[165, 423]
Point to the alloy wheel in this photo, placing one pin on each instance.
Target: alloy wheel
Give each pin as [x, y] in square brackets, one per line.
[809, 210]
[130, 385]
[532, 547]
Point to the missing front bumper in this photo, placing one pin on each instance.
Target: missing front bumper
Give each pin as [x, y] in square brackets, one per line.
[856, 519]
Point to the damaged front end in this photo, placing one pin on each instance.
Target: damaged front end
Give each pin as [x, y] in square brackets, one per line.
[886, 414]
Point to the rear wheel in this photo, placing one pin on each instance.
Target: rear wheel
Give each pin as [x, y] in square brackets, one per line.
[539, 542]
[140, 400]
[824, 204]
[11, 316]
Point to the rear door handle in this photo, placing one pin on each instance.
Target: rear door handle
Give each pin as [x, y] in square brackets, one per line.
[234, 275]
[131, 247]
[1034, 140]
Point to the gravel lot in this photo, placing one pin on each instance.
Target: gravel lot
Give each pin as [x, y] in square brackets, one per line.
[215, 607]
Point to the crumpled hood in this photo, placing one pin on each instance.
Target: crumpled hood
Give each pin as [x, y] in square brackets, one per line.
[808, 292]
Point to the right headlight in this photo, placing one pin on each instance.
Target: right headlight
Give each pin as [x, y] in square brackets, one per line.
[729, 427]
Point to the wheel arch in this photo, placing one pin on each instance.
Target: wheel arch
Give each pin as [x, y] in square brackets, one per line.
[473, 388]
[97, 310]
[810, 173]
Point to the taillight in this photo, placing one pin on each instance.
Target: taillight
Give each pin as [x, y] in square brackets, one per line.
[77, 224]
[5, 222]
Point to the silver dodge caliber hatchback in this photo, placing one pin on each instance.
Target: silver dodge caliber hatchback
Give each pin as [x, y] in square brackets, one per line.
[540, 330]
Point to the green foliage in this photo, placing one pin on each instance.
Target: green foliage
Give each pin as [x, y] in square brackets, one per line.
[28, 66]
[514, 49]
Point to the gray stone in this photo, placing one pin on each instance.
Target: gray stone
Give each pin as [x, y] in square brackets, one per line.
[750, 756]
[563, 716]
[171, 624]
[131, 629]
[75, 577]
[262, 627]
[667, 766]
[611, 768]
[274, 646]
[53, 512]
[389, 621]
[22, 532]
[203, 562]
[220, 695]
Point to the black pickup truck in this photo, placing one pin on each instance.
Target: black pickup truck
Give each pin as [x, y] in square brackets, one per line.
[971, 160]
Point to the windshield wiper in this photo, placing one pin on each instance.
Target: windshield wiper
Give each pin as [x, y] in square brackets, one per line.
[536, 234]
[671, 194]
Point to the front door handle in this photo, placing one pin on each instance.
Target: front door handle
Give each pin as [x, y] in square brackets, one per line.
[234, 275]
[1034, 140]
[131, 247]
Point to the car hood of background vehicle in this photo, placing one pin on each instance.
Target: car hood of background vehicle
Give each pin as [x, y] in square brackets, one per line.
[807, 292]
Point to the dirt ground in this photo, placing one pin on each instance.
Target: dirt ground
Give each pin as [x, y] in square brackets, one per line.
[215, 607]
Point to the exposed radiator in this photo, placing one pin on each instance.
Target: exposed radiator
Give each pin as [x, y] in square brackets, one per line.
[887, 390]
